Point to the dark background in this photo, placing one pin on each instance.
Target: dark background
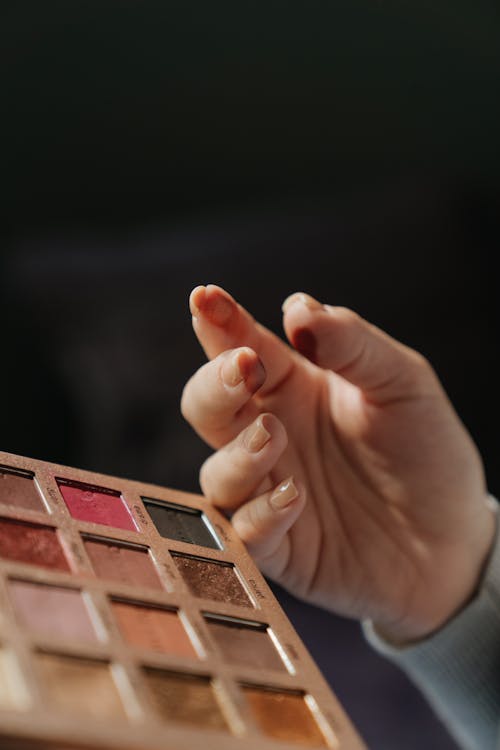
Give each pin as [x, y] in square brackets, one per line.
[349, 149]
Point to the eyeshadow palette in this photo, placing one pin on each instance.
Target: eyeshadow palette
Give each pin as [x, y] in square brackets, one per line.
[133, 618]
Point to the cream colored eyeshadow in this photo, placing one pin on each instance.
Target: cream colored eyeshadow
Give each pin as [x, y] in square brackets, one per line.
[12, 691]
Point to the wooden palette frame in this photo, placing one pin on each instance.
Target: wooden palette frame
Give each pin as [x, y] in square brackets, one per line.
[39, 727]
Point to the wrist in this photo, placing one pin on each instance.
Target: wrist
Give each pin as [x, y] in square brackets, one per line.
[446, 601]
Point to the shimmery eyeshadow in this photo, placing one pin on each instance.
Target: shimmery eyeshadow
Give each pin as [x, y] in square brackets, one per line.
[208, 579]
[97, 505]
[181, 523]
[81, 686]
[20, 490]
[31, 543]
[284, 716]
[119, 562]
[52, 610]
[184, 698]
[244, 643]
[152, 628]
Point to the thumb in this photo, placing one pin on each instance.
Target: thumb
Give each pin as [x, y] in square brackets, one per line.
[338, 339]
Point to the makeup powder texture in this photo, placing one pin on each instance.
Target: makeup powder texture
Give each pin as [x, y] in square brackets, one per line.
[20, 491]
[81, 686]
[8, 676]
[184, 698]
[212, 580]
[118, 562]
[182, 524]
[52, 610]
[31, 543]
[153, 628]
[284, 716]
[97, 505]
[245, 644]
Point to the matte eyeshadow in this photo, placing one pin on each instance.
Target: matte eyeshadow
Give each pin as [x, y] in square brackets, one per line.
[19, 490]
[184, 698]
[118, 562]
[52, 610]
[80, 686]
[31, 543]
[7, 696]
[284, 716]
[212, 580]
[97, 505]
[245, 644]
[153, 628]
[180, 523]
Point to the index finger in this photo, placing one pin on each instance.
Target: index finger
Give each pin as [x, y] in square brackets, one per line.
[220, 323]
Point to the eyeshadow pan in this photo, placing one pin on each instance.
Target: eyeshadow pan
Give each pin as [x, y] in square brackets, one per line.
[184, 698]
[52, 610]
[152, 628]
[31, 543]
[8, 677]
[208, 579]
[82, 686]
[97, 505]
[123, 563]
[284, 716]
[20, 490]
[181, 523]
[244, 643]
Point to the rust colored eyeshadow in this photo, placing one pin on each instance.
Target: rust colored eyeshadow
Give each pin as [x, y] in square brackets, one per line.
[31, 543]
[184, 698]
[119, 562]
[284, 716]
[245, 644]
[208, 579]
[19, 490]
[152, 628]
[80, 686]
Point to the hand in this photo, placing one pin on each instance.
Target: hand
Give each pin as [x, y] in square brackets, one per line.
[348, 473]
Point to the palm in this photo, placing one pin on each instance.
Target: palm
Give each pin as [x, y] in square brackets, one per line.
[367, 490]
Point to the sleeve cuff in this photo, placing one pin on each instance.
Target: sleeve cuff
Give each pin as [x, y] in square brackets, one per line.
[458, 667]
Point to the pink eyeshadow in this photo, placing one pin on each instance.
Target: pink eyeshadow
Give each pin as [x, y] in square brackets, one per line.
[97, 505]
[52, 610]
[130, 565]
[19, 489]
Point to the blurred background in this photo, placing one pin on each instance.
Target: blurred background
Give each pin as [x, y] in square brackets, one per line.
[349, 149]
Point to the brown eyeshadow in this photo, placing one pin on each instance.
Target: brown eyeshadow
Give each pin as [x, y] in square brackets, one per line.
[119, 562]
[212, 580]
[31, 543]
[284, 716]
[246, 644]
[184, 698]
[152, 628]
[19, 490]
[82, 686]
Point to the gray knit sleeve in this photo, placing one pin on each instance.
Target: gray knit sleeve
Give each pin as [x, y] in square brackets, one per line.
[458, 668]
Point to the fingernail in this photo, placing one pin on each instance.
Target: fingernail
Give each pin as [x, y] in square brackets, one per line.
[305, 343]
[218, 308]
[257, 436]
[231, 371]
[195, 300]
[284, 494]
[306, 299]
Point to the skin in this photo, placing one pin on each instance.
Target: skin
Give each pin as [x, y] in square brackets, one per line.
[341, 461]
